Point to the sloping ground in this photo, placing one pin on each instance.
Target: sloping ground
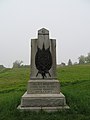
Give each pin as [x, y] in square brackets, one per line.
[75, 84]
[13, 79]
[74, 73]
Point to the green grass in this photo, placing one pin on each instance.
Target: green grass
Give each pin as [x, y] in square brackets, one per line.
[13, 79]
[75, 84]
[74, 73]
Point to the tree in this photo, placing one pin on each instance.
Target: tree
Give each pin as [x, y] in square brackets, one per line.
[17, 64]
[88, 58]
[82, 59]
[63, 64]
[69, 62]
[1, 66]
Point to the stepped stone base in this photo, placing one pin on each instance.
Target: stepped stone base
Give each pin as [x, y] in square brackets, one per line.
[47, 109]
[46, 102]
[43, 95]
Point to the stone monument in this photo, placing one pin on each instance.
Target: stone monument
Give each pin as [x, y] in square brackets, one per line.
[43, 89]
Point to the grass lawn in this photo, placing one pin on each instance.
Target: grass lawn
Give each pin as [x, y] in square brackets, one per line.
[75, 85]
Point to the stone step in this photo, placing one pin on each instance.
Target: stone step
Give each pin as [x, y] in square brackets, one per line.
[43, 100]
[47, 109]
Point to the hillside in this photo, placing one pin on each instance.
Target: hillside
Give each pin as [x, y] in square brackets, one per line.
[75, 84]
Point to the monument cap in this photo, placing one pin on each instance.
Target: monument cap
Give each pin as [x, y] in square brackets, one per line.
[43, 31]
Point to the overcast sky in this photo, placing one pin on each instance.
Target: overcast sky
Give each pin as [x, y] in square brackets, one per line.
[68, 21]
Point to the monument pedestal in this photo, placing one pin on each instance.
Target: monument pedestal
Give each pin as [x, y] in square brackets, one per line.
[43, 90]
[43, 95]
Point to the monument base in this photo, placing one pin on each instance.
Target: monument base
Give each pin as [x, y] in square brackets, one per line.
[47, 109]
[46, 102]
[43, 95]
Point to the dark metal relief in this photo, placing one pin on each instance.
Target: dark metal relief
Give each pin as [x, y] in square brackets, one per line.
[43, 61]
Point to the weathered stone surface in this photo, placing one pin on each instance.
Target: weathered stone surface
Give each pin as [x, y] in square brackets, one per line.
[43, 100]
[43, 87]
[47, 109]
[43, 39]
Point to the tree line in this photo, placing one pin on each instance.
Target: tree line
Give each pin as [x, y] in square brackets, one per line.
[82, 60]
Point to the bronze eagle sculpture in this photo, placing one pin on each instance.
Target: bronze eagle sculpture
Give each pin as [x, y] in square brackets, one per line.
[43, 61]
